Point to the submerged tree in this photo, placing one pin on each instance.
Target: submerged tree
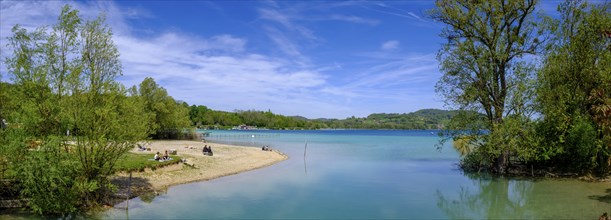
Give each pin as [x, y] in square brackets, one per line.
[484, 70]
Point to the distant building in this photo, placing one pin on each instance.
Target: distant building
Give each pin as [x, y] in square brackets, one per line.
[244, 127]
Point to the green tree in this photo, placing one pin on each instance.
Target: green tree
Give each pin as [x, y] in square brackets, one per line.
[575, 88]
[64, 79]
[484, 69]
[168, 118]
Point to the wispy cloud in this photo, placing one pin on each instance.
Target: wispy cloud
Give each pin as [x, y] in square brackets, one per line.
[352, 19]
[390, 45]
[286, 21]
[286, 45]
[387, 9]
[414, 15]
[394, 81]
[398, 71]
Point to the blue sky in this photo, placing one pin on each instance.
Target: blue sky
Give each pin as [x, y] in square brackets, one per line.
[331, 59]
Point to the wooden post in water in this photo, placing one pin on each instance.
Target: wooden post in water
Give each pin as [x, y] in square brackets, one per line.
[305, 149]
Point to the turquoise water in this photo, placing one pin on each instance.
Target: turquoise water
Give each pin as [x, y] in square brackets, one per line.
[365, 174]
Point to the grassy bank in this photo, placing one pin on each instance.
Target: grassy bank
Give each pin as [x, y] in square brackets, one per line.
[139, 162]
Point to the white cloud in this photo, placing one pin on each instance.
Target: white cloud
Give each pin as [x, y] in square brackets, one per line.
[390, 45]
[236, 80]
[176, 56]
[229, 42]
[354, 19]
[29, 16]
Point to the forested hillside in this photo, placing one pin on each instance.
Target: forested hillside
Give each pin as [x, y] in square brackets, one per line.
[203, 117]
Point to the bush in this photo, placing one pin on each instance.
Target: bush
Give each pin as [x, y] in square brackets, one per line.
[47, 177]
[580, 148]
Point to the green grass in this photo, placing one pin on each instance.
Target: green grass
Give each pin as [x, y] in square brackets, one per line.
[139, 162]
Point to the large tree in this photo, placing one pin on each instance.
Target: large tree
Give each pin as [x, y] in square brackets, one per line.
[485, 70]
[167, 117]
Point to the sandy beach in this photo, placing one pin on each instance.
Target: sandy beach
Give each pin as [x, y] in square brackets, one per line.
[227, 160]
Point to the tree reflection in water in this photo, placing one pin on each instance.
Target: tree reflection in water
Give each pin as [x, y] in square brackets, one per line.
[495, 198]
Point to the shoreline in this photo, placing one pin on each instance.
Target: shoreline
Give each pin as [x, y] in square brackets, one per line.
[227, 160]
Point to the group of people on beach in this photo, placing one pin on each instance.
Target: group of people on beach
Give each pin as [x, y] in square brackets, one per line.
[162, 158]
[266, 148]
[207, 150]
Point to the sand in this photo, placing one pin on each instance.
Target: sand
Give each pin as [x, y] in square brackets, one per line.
[227, 160]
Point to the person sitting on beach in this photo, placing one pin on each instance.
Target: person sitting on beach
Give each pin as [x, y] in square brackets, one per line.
[157, 156]
[207, 150]
[165, 155]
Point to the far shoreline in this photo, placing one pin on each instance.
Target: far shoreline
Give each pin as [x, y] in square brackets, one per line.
[227, 160]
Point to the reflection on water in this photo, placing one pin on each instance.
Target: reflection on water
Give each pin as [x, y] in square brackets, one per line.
[606, 198]
[493, 199]
[368, 174]
[501, 198]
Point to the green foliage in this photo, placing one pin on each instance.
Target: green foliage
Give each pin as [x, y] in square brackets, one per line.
[573, 89]
[12, 148]
[203, 117]
[421, 119]
[166, 117]
[64, 80]
[581, 145]
[48, 179]
[481, 150]
[7, 102]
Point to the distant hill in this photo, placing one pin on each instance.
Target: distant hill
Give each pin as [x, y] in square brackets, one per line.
[421, 119]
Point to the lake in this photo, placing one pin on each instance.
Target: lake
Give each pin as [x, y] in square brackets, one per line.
[366, 174]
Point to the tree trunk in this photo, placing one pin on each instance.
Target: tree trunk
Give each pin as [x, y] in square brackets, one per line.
[502, 162]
